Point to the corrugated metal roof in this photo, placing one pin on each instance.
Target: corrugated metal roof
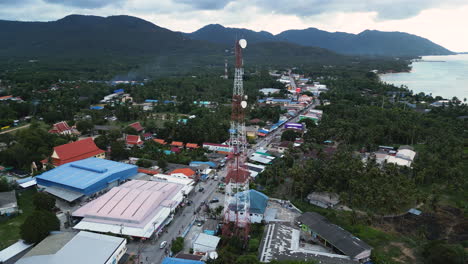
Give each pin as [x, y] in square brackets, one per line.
[169, 260]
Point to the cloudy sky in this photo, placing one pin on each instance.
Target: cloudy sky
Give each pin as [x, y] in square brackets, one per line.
[444, 22]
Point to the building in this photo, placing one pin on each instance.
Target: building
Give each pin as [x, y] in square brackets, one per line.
[78, 150]
[176, 178]
[137, 126]
[63, 128]
[191, 146]
[211, 227]
[254, 169]
[323, 199]
[159, 141]
[133, 140]
[147, 136]
[251, 132]
[404, 156]
[177, 144]
[136, 208]
[219, 148]
[205, 243]
[269, 91]
[258, 204]
[337, 239]
[184, 171]
[84, 178]
[188, 256]
[8, 203]
[169, 260]
[77, 248]
[282, 242]
[14, 252]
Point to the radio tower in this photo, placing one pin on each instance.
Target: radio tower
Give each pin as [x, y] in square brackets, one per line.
[237, 200]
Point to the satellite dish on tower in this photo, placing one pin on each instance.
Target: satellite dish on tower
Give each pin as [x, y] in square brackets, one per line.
[244, 104]
[243, 43]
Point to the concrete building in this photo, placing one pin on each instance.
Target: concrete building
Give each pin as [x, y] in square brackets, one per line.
[341, 242]
[323, 199]
[136, 208]
[8, 203]
[77, 248]
[205, 243]
[258, 204]
[78, 150]
[84, 178]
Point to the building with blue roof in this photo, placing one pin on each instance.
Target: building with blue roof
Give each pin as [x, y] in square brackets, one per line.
[169, 260]
[212, 164]
[258, 204]
[87, 177]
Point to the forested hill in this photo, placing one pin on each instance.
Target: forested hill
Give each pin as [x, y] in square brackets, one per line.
[368, 42]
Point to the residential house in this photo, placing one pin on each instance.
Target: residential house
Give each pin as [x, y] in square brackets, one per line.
[159, 141]
[147, 136]
[137, 126]
[191, 146]
[185, 171]
[133, 140]
[63, 128]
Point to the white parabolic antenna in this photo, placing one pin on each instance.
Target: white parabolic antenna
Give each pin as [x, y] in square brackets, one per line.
[244, 104]
[243, 43]
[213, 255]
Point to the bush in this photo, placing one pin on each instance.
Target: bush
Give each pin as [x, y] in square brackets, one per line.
[43, 201]
[38, 225]
[177, 245]
[439, 252]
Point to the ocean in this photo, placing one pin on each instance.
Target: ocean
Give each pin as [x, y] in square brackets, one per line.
[445, 76]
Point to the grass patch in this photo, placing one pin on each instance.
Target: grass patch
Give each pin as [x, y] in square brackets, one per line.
[10, 229]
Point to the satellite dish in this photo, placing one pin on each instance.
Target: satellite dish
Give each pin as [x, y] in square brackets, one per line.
[243, 43]
[213, 255]
[244, 104]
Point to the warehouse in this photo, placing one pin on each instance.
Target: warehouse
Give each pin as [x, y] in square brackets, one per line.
[86, 177]
[136, 208]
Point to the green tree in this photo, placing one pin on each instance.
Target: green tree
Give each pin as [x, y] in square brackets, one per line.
[440, 252]
[247, 259]
[84, 126]
[177, 245]
[289, 135]
[38, 225]
[43, 201]
[4, 184]
[130, 130]
[144, 163]
[162, 163]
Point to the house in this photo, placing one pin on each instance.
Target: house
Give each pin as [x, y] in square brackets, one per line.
[133, 140]
[220, 148]
[257, 205]
[159, 141]
[63, 128]
[147, 136]
[77, 248]
[136, 208]
[84, 178]
[78, 150]
[8, 203]
[137, 126]
[403, 157]
[340, 241]
[177, 144]
[188, 256]
[205, 243]
[323, 199]
[185, 171]
[191, 146]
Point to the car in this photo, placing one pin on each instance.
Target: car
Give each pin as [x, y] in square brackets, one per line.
[214, 200]
[201, 189]
[163, 244]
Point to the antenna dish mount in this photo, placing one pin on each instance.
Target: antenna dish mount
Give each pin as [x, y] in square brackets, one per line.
[243, 43]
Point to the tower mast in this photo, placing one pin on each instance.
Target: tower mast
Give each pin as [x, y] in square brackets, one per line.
[237, 200]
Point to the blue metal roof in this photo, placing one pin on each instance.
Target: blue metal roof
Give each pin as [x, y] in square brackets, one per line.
[197, 163]
[87, 176]
[169, 260]
[151, 101]
[258, 201]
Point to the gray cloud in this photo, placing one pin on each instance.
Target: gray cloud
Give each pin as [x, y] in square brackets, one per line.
[205, 4]
[85, 3]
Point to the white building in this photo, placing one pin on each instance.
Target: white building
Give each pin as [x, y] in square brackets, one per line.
[8, 203]
[205, 243]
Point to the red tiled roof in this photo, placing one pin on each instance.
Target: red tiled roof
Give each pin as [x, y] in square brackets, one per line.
[147, 171]
[133, 140]
[177, 144]
[78, 150]
[137, 126]
[147, 135]
[60, 127]
[160, 141]
[186, 171]
[191, 145]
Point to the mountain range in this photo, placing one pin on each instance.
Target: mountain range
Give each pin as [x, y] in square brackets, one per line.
[120, 43]
[368, 42]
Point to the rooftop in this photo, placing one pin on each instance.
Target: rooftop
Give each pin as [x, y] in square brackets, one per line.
[134, 203]
[84, 173]
[337, 236]
[168, 260]
[137, 126]
[77, 150]
[7, 199]
[60, 248]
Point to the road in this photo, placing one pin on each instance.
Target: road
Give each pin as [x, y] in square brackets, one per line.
[13, 129]
[149, 250]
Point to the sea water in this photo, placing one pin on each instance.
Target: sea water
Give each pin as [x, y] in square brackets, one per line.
[445, 76]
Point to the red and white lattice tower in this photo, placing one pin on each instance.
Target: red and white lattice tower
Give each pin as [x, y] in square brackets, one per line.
[236, 203]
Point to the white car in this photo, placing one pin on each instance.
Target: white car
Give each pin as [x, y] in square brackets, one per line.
[163, 244]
